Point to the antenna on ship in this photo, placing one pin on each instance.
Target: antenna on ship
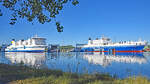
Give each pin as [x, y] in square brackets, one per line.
[140, 40]
[103, 36]
[36, 35]
[115, 40]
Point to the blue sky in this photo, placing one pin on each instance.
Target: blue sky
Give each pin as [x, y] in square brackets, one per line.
[117, 19]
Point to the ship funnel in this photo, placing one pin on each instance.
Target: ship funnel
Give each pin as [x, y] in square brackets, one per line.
[13, 39]
[89, 38]
[13, 42]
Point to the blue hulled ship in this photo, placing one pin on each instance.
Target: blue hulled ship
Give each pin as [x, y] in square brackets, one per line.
[105, 44]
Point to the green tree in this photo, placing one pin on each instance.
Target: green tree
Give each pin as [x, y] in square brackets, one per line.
[41, 10]
[148, 46]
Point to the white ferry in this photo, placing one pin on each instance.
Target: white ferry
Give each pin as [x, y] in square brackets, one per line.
[105, 44]
[34, 44]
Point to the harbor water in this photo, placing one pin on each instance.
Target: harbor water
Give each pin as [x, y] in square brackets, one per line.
[120, 65]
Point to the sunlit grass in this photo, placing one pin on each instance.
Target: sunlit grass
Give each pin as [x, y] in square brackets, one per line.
[133, 80]
[18, 72]
[66, 78]
[24, 75]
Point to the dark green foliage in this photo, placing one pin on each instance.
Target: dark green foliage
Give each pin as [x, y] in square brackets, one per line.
[59, 28]
[75, 2]
[1, 13]
[42, 10]
[148, 46]
[66, 48]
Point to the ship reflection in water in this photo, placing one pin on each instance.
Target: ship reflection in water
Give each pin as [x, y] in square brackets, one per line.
[105, 60]
[121, 64]
[29, 59]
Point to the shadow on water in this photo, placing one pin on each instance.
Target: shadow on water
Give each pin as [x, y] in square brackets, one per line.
[119, 64]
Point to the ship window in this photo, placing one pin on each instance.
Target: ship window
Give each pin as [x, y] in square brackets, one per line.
[91, 42]
[40, 42]
[105, 44]
[17, 44]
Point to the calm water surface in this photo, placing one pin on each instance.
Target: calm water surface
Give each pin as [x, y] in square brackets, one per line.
[121, 65]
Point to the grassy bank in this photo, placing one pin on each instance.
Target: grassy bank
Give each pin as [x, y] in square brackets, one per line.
[25, 75]
[67, 79]
[10, 73]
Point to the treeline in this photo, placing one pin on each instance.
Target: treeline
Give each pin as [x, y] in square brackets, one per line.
[66, 48]
[148, 46]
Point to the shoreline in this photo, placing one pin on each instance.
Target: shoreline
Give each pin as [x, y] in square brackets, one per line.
[18, 74]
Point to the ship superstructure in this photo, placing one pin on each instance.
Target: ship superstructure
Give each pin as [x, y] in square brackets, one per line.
[34, 44]
[105, 44]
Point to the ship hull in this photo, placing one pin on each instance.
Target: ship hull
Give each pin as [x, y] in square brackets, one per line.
[25, 50]
[137, 48]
